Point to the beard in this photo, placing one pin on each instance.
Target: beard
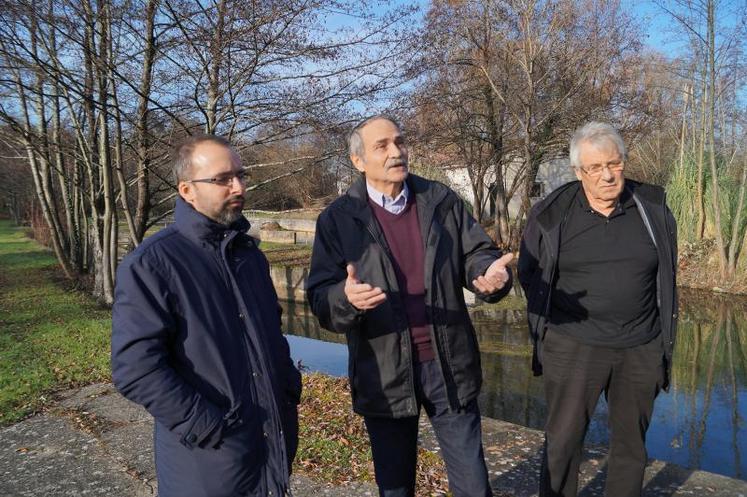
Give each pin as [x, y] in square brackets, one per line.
[230, 213]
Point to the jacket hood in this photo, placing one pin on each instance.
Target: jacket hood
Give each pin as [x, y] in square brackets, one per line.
[199, 227]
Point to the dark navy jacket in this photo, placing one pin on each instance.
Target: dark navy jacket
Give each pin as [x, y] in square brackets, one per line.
[196, 340]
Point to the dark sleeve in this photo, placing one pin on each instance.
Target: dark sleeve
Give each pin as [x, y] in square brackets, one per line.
[326, 282]
[529, 253]
[142, 322]
[479, 253]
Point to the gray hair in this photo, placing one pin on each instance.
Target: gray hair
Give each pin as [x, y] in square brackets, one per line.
[596, 133]
[183, 159]
[355, 141]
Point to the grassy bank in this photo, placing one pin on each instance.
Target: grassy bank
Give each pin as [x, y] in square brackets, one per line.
[285, 254]
[50, 337]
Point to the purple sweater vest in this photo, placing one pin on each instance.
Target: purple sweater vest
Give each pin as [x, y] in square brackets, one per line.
[402, 232]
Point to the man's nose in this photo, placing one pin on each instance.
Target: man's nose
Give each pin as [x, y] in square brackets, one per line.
[237, 184]
[607, 174]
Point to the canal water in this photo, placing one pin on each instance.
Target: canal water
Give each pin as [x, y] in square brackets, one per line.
[701, 423]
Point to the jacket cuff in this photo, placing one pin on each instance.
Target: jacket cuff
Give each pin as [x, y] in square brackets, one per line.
[341, 309]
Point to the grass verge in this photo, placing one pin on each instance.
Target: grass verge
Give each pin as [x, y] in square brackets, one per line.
[50, 337]
[286, 254]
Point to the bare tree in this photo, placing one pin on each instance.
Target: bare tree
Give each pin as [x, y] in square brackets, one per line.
[96, 91]
[716, 57]
[515, 78]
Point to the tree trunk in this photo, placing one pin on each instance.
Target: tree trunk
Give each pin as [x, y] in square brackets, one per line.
[214, 73]
[700, 191]
[142, 131]
[105, 162]
[715, 193]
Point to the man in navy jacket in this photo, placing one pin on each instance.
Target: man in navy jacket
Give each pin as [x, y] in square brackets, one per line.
[196, 340]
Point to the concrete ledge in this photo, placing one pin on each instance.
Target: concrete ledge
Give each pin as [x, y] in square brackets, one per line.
[277, 236]
[98, 444]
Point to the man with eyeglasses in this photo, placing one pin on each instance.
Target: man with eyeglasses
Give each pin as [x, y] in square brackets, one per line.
[196, 340]
[598, 263]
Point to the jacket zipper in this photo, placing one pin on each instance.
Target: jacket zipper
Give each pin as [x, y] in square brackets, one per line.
[262, 359]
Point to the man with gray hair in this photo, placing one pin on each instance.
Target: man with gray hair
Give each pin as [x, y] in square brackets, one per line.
[391, 258]
[196, 340]
[598, 263]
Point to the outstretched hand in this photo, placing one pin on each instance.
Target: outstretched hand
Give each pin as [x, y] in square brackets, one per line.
[362, 295]
[495, 277]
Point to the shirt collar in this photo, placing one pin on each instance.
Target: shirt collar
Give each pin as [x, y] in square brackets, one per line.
[381, 199]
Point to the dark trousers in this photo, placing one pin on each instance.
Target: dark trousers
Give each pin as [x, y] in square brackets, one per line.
[394, 442]
[575, 375]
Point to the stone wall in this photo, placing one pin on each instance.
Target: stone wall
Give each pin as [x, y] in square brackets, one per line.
[290, 282]
[293, 230]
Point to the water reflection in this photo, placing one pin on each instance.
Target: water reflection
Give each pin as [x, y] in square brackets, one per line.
[700, 423]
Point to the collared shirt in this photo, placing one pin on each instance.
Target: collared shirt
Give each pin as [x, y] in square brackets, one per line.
[394, 205]
[605, 291]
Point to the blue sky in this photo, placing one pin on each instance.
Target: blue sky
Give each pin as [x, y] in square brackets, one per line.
[658, 25]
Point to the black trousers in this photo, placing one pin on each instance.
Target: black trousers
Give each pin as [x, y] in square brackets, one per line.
[575, 375]
[394, 442]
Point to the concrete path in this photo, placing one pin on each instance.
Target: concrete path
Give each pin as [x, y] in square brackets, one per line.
[96, 443]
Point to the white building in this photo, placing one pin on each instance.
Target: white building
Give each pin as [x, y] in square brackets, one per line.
[551, 175]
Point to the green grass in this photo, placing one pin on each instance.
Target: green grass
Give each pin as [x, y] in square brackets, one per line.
[50, 338]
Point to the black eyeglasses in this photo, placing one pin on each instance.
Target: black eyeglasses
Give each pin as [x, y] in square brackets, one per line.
[223, 179]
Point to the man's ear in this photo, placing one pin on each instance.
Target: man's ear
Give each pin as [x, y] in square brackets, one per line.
[186, 190]
[358, 163]
[577, 172]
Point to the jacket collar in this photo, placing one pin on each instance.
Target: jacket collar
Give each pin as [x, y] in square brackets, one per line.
[552, 209]
[200, 228]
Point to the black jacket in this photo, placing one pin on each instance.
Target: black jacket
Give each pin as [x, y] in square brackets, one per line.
[457, 250]
[196, 340]
[540, 246]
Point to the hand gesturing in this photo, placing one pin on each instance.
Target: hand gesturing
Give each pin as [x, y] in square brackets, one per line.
[495, 276]
[362, 295]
